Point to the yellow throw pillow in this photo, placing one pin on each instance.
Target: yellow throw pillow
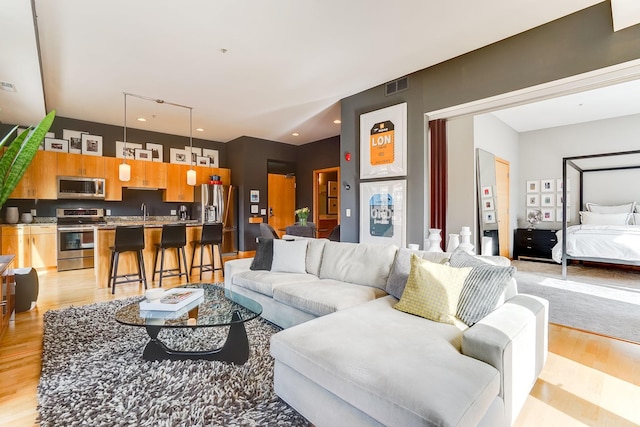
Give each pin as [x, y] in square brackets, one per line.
[433, 291]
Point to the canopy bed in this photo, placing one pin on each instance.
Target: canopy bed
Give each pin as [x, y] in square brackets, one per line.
[606, 233]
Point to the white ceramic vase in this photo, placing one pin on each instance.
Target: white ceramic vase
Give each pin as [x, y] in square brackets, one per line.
[434, 240]
[12, 215]
[26, 218]
[465, 240]
[454, 242]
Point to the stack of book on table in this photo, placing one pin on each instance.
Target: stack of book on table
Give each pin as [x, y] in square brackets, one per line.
[173, 300]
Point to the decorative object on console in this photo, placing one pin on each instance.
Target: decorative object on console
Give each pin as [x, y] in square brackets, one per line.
[454, 242]
[303, 214]
[26, 218]
[13, 215]
[434, 240]
[465, 240]
[534, 216]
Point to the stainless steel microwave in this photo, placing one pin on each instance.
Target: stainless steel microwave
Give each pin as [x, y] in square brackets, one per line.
[77, 187]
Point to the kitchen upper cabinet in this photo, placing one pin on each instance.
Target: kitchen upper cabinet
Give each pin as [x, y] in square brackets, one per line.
[113, 185]
[147, 174]
[33, 245]
[177, 188]
[80, 165]
[39, 181]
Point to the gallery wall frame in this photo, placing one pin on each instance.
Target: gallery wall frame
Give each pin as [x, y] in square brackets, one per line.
[156, 151]
[214, 157]
[383, 206]
[383, 142]
[128, 152]
[75, 140]
[58, 145]
[91, 144]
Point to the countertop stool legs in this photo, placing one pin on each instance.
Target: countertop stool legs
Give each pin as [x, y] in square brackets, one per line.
[211, 236]
[173, 236]
[127, 239]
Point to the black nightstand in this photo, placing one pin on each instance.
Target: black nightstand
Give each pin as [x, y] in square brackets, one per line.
[535, 244]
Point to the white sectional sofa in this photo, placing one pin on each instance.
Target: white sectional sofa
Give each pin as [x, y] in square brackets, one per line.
[348, 358]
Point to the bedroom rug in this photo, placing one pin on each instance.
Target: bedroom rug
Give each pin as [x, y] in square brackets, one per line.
[607, 308]
[93, 374]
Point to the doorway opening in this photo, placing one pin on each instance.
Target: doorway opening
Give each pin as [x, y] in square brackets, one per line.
[326, 200]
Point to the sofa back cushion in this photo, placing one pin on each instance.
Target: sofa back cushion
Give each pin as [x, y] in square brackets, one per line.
[289, 256]
[315, 249]
[264, 255]
[402, 266]
[359, 263]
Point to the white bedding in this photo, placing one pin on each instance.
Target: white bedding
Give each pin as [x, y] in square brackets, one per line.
[619, 242]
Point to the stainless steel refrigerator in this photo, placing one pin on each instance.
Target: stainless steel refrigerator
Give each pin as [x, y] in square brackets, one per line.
[217, 203]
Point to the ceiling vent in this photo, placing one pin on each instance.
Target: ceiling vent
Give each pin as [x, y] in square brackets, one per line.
[9, 87]
[396, 86]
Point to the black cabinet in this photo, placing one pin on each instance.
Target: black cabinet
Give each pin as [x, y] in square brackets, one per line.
[534, 243]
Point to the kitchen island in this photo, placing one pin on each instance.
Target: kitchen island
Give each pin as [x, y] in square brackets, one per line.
[105, 237]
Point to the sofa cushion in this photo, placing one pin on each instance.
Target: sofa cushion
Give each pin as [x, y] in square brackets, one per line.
[289, 256]
[359, 263]
[400, 369]
[264, 255]
[402, 266]
[433, 290]
[263, 282]
[315, 249]
[482, 288]
[325, 296]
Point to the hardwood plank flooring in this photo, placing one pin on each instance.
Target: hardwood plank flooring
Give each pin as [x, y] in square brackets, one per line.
[589, 380]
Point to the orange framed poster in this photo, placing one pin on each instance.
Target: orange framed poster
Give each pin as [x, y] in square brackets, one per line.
[383, 142]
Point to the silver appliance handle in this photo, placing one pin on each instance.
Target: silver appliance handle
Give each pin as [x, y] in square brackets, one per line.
[81, 228]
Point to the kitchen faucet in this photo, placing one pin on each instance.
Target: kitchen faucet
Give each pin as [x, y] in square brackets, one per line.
[144, 212]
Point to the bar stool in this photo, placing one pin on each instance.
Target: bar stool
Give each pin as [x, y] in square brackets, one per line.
[128, 239]
[173, 236]
[211, 236]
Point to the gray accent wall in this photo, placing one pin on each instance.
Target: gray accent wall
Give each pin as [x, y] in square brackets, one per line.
[575, 44]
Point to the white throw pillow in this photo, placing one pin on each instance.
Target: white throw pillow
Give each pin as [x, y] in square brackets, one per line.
[289, 256]
[613, 209]
[592, 218]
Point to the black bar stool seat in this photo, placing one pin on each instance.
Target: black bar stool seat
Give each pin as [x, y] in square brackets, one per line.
[173, 236]
[128, 239]
[211, 236]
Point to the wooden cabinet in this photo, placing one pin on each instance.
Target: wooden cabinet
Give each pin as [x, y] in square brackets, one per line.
[113, 185]
[80, 165]
[39, 180]
[532, 243]
[32, 245]
[177, 188]
[7, 292]
[147, 174]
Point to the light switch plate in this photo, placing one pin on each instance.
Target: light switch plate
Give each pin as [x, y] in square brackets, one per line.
[108, 212]
[263, 211]
[347, 212]
[173, 212]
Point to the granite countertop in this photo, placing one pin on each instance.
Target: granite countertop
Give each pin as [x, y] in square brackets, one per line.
[152, 222]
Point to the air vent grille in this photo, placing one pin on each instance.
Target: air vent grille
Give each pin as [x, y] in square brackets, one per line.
[396, 86]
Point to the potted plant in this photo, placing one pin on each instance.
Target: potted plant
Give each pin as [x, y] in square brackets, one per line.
[302, 213]
[19, 153]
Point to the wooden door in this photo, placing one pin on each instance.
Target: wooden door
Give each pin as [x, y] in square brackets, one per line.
[502, 196]
[282, 201]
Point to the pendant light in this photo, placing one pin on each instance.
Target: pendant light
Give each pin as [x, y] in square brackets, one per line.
[191, 174]
[124, 170]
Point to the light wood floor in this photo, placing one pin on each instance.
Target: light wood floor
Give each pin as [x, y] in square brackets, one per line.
[588, 380]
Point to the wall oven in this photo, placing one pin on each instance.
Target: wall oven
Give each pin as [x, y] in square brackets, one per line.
[76, 230]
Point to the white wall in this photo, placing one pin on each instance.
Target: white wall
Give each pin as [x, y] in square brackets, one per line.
[541, 154]
[493, 135]
[461, 189]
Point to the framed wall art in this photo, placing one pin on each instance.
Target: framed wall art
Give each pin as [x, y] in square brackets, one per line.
[75, 140]
[194, 151]
[487, 191]
[254, 196]
[383, 142]
[383, 212]
[533, 186]
[203, 161]
[91, 144]
[145, 155]
[128, 152]
[179, 156]
[156, 151]
[489, 217]
[533, 200]
[548, 215]
[548, 185]
[213, 156]
[488, 205]
[59, 145]
[547, 200]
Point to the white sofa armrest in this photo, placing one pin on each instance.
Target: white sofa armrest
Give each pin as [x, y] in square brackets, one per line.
[233, 267]
[514, 340]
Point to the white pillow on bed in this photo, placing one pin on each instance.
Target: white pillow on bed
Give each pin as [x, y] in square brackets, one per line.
[613, 209]
[635, 219]
[593, 218]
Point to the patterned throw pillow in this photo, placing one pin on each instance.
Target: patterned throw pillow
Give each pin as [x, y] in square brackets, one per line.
[432, 290]
[264, 254]
[482, 288]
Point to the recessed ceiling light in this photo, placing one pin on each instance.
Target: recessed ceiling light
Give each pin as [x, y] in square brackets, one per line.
[295, 134]
[142, 119]
[337, 121]
[200, 130]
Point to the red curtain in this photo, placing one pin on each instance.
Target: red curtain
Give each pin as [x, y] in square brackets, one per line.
[438, 198]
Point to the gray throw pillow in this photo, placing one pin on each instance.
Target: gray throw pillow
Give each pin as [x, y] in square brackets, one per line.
[482, 287]
[264, 254]
[402, 267]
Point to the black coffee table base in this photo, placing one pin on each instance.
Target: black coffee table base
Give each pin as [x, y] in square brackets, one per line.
[235, 349]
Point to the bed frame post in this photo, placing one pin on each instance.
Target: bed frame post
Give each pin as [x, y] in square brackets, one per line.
[564, 218]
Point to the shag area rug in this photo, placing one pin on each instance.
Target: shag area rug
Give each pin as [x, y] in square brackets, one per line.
[606, 309]
[93, 374]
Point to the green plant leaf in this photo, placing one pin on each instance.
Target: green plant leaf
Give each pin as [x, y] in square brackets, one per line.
[7, 136]
[20, 154]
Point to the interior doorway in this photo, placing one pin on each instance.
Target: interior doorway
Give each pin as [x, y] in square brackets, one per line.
[502, 203]
[326, 200]
[282, 201]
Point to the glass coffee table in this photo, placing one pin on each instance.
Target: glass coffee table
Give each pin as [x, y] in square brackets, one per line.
[218, 307]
